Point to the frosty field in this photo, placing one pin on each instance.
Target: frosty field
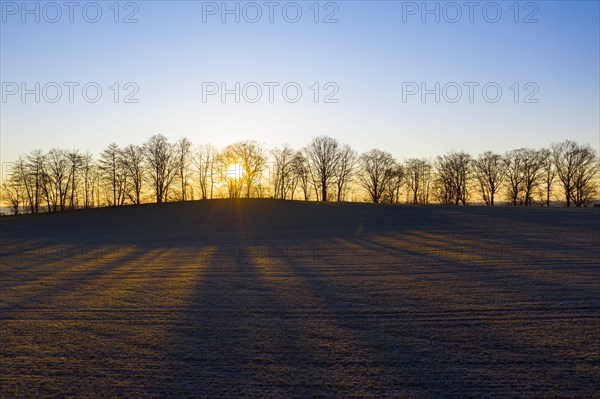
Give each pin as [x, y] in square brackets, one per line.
[275, 299]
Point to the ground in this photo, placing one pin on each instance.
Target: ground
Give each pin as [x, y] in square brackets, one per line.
[275, 299]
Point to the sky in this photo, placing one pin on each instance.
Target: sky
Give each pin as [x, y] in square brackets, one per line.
[505, 76]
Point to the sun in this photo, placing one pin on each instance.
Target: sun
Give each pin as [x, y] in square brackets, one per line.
[235, 171]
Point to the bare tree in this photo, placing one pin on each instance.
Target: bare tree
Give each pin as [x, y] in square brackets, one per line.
[58, 179]
[204, 161]
[31, 172]
[323, 158]
[376, 171]
[302, 173]
[490, 171]
[161, 161]
[183, 149]
[443, 185]
[585, 172]
[514, 161]
[283, 173]
[454, 171]
[114, 173]
[13, 192]
[533, 164]
[230, 172]
[345, 170]
[565, 159]
[394, 184]
[75, 163]
[89, 176]
[548, 173]
[461, 163]
[418, 179]
[133, 162]
[576, 166]
[252, 159]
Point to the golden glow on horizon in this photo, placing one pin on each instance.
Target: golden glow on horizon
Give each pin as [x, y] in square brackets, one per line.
[235, 171]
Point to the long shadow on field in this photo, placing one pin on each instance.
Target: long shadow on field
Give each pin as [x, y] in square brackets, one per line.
[511, 330]
[68, 276]
[358, 320]
[233, 339]
[513, 269]
[88, 332]
[398, 352]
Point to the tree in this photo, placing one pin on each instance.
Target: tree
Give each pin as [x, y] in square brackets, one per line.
[585, 171]
[114, 173]
[323, 157]
[490, 171]
[454, 172]
[89, 175]
[161, 161]
[204, 160]
[74, 163]
[576, 166]
[533, 164]
[394, 184]
[133, 162]
[418, 179]
[58, 179]
[345, 170]
[184, 159]
[230, 172]
[514, 163]
[283, 173]
[548, 173]
[13, 192]
[251, 158]
[30, 171]
[301, 171]
[376, 172]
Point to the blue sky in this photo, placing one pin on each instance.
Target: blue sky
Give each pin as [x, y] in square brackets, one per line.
[369, 53]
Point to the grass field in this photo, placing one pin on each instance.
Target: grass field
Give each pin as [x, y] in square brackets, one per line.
[273, 299]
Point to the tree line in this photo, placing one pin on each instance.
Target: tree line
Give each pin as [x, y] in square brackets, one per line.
[324, 170]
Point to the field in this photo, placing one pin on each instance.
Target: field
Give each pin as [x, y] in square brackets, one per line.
[274, 299]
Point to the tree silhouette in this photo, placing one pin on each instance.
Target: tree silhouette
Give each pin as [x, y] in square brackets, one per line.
[183, 149]
[284, 179]
[323, 158]
[418, 178]
[162, 165]
[133, 161]
[205, 162]
[515, 176]
[490, 170]
[377, 170]
[345, 170]
[159, 171]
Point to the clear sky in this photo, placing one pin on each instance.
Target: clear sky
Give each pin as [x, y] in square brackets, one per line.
[374, 54]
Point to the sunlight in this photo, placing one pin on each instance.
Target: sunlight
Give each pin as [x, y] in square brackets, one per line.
[235, 171]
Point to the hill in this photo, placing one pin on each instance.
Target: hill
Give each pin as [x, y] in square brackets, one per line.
[281, 299]
[187, 222]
